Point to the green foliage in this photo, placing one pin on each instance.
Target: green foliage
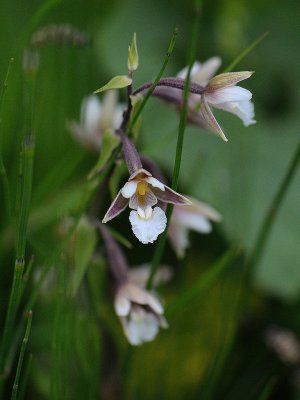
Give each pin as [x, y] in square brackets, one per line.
[117, 82]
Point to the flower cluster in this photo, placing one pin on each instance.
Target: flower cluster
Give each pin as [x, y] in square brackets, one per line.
[146, 192]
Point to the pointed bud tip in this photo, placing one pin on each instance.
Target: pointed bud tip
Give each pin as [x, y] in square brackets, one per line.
[133, 57]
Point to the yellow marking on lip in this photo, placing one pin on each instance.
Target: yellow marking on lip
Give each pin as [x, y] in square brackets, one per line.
[142, 188]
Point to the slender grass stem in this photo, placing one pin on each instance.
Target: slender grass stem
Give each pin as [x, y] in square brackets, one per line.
[271, 214]
[11, 313]
[27, 156]
[21, 357]
[155, 82]
[57, 384]
[3, 172]
[25, 379]
[182, 124]
[244, 53]
[88, 194]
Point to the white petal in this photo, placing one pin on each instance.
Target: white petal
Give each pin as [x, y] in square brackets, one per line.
[88, 139]
[141, 327]
[90, 114]
[195, 69]
[144, 212]
[195, 222]
[208, 69]
[178, 236]
[228, 94]
[109, 102]
[122, 306]
[147, 230]
[129, 189]
[201, 73]
[243, 109]
[118, 116]
[155, 183]
[140, 296]
[200, 208]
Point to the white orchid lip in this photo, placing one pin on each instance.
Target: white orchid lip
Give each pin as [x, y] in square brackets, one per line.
[140, 312]
[141, 193]
[148, 229]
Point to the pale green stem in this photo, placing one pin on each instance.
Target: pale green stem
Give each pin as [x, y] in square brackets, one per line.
[21, 357]
[25, 379]
[182, 124]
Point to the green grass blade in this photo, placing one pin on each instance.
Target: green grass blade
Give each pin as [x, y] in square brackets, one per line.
[3, 172]
[244, 53]
[25, 379]
[271, 214]
[266, 393]
[27, 156]
[182, 124]
[21, 357]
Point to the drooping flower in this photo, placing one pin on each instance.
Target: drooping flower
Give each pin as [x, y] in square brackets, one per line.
[141, 193]
[196, 217]
[207, 90]
[220, 92]
[140, 313]
[95, 118]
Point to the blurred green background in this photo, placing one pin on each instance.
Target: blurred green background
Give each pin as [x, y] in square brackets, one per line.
[212, 348]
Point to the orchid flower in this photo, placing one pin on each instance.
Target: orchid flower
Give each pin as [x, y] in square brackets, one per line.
[139, 310]
[196, 217]
[221, 92]
[95, 118]
[140, 313]
[207, 90]
[141, 193]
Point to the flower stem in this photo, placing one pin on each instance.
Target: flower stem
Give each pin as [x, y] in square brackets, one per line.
[116, 258]
[156, 80]
[176, 83]
[270, 217]
[182, 124]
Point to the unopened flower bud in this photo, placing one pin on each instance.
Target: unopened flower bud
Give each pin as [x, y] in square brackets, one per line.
[133, 57]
